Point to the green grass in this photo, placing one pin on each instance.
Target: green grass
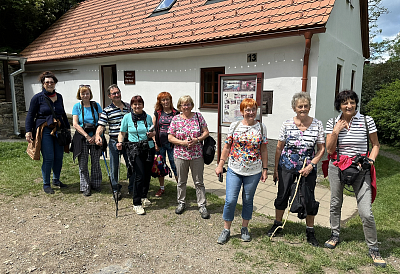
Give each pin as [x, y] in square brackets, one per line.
[21, 176]
[394, 150]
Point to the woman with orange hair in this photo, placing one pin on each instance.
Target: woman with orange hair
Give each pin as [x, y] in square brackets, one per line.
[246, 149]
[163, 114]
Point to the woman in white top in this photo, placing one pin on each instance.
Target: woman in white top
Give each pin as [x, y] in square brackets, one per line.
[296, 145]
[246, 149]
[350, 130]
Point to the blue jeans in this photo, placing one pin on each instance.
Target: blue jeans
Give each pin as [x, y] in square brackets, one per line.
[52, 154]
[234, 183]
[164, 149]
[114, 163]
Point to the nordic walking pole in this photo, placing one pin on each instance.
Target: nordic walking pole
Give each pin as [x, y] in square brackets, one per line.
[290, 205]
[109, 177]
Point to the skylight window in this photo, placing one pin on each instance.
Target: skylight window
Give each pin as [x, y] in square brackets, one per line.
[165, 5]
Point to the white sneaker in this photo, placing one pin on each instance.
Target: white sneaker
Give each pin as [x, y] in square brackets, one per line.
[145, 202]
[139, 210]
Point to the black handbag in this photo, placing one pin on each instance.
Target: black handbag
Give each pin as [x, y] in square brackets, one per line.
[208, 147]
[63, 135]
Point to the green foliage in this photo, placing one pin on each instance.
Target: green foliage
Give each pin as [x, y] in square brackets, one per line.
[22, 21]
[375, 77]
[385, 109]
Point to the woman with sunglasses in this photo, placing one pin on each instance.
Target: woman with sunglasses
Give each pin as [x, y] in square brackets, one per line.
[40, 130]
[246, 149]
[186, 132]
[85, 115]
[163, 114]
[295, 155]
[140, 150]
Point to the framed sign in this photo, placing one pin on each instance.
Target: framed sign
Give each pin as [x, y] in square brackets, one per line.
[232, 90]
[129, 77]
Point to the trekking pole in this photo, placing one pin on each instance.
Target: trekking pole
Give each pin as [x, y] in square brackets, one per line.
[109, 177]
[290, 205]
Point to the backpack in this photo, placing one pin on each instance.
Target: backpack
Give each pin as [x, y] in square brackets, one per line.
[160, 167]
[208, 147]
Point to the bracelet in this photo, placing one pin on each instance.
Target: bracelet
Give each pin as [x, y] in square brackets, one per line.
[198, 141]
[265, 168]
[222, 160]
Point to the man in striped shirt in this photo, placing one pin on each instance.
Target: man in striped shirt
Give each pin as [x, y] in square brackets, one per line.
[112, 115]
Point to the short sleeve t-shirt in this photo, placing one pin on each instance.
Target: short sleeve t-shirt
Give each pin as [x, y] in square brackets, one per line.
[299, 145]
[164, 123]
[139, 133]
[245, 155]
[187, 128]
[77, 110]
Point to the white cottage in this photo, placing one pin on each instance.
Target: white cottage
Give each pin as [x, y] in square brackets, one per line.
[181, 46]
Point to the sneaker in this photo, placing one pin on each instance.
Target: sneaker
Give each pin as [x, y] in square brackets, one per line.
[310, 232]
[245, 234]
[87, 192]
[145, 202]
[204, 213]
[180, 209]
[160, 192]
[332, 242]
[57, 182]
[272, 229]
[139, 210]
[376, 257]
[224, 237]
[47, 189]
[118, 195]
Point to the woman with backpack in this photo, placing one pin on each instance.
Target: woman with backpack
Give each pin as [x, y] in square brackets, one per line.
[246, 149]
[85, 115]
[163, 114]
[186, 132]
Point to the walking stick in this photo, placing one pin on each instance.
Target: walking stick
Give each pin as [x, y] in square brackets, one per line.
[290, 205]
[109, 177]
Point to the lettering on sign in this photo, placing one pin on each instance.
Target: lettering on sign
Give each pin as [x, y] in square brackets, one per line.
[129, 77]
[251, 57]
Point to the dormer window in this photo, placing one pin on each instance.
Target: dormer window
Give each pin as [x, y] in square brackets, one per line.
[165, 5]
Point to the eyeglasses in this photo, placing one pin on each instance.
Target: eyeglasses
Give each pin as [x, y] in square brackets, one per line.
[187, 105]
[84, 86]
[49, 83]
[115, 93]
[250, 110]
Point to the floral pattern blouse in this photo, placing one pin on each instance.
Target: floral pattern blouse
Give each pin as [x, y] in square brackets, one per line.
[245, 155]
[299, 145]
[182, 129]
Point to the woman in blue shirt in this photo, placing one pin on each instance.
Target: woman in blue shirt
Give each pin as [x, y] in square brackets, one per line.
[140, 150]
[85, 116]
[40, 127]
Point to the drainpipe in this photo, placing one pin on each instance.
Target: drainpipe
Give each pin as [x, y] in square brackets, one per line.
[308, 35]
[13, 99]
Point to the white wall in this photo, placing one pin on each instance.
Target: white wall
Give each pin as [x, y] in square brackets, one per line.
[281, 60]
[340, 44]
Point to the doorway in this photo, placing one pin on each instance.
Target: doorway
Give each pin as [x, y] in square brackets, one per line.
[108, 77]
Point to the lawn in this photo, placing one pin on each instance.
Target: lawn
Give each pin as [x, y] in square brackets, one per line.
[20, 177]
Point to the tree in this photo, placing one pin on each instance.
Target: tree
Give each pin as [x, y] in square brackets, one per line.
[385, 109]
[22, 21]
[375, 10]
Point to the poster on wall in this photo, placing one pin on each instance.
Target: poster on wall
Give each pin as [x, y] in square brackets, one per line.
[233, 93]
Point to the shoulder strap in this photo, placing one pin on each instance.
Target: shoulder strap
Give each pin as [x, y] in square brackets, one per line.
[52, 110]
[366, 127]
[337, 141]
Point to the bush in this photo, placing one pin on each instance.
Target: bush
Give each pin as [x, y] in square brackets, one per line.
[385, 109]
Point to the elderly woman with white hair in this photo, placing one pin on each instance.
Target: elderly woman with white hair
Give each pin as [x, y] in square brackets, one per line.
[186, 131]
[295, 155]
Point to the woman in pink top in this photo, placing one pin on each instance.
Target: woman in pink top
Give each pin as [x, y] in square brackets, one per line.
[186, 131]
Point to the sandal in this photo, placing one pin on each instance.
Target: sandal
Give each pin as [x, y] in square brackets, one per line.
[332, 242]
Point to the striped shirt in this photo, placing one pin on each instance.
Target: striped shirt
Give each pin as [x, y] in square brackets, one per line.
[112, 115]
[354, 140]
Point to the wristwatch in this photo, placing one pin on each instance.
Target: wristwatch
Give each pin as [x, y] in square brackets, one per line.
[313, 165]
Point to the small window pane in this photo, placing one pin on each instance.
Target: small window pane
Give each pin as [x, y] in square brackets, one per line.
[208, 87]
[208, 76]
[208, 98]
[215, 98]
[165, 4]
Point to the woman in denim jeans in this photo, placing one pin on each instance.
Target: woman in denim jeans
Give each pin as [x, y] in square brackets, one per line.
[163, 114]
[246, 149]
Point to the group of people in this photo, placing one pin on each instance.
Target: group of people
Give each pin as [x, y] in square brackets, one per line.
[179, 133]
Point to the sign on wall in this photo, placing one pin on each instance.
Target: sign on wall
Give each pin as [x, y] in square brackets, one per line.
[129, 77]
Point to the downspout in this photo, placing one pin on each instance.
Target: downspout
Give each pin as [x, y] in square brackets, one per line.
[13, 99]
[308, 35]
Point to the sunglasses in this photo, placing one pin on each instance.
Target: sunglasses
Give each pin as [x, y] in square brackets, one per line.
[86, 86]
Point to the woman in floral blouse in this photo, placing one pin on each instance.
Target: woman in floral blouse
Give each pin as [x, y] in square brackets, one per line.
[186, 131]
[246, 149]
[296, 142]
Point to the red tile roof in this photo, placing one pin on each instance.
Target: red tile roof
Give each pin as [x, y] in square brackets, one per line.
[97, 27]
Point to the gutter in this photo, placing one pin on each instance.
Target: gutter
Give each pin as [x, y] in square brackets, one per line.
[307, 35]
[21, 61]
